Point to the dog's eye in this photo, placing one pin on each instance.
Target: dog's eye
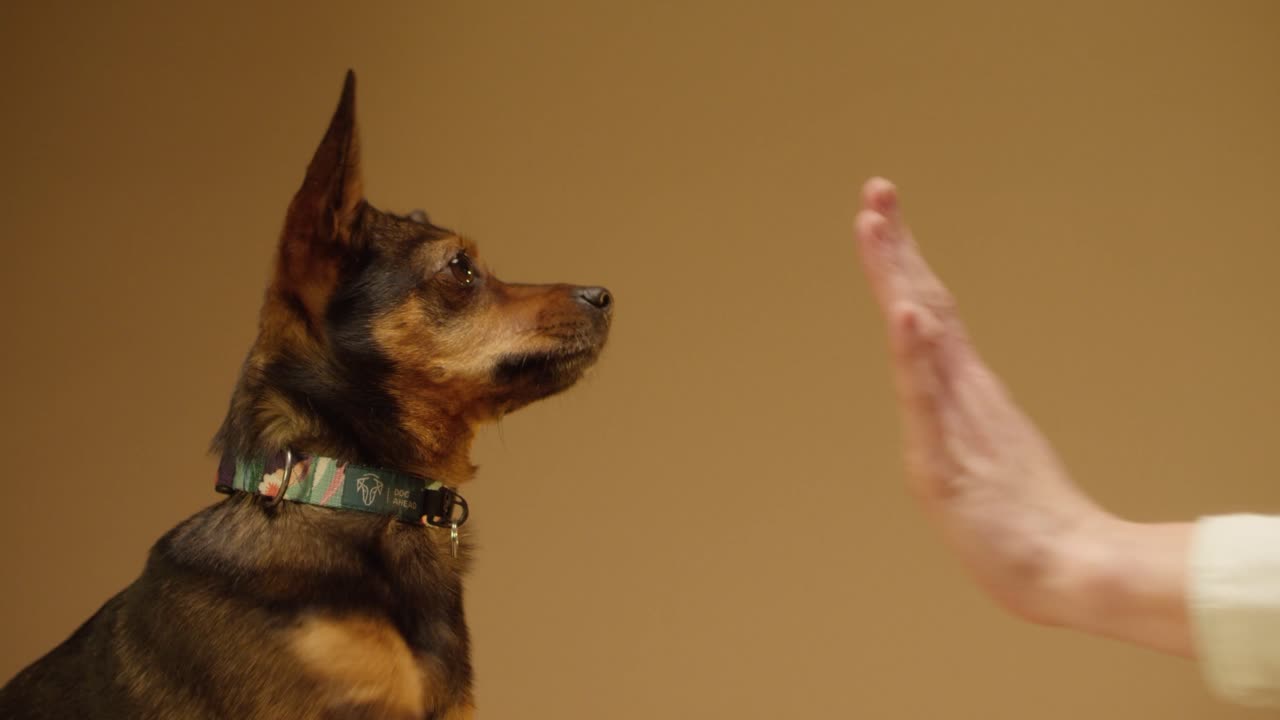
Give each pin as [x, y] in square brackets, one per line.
[463, 270]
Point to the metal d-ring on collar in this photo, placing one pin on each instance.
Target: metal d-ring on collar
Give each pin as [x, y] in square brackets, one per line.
[440, 502]
[284, 482]
[438, 511]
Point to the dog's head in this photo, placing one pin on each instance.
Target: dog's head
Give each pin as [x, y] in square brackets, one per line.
[383, 333]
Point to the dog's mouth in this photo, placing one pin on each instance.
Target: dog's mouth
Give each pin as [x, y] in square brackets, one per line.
[527, 376]
[545, 372]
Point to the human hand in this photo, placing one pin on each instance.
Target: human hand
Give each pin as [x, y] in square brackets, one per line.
[990, 480]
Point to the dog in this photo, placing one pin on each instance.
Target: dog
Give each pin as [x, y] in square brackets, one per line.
[328, 583]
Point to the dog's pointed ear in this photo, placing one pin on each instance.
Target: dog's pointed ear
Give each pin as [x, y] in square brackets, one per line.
[329, 201]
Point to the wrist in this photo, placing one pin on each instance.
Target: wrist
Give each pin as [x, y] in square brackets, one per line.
[1078, 573]
[1124, 580]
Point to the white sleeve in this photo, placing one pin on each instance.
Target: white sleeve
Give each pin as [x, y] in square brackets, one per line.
[1234, 596]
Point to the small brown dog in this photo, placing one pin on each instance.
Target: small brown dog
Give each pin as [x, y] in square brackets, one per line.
[329, 583]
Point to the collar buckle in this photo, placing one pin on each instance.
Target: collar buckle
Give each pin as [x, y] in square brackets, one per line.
[443, 507]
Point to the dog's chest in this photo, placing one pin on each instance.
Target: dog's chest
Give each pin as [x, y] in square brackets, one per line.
[360, 662]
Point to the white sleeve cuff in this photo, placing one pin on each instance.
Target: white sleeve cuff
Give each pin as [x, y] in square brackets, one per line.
[1234, 597]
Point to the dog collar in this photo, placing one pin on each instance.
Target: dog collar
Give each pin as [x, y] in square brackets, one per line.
[331, 483]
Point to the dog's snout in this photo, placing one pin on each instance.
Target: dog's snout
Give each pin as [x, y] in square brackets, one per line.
[596, 297]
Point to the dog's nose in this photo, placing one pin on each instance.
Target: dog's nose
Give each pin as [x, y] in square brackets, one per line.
[596, 297]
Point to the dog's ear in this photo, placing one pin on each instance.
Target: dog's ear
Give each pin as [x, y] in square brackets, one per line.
[329, 201]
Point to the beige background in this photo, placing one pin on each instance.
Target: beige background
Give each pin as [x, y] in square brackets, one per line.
[713, 525]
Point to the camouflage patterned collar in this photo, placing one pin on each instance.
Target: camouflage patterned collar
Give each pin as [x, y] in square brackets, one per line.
[335, 484]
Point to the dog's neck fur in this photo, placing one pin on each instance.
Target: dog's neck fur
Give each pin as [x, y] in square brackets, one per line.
[293, 395]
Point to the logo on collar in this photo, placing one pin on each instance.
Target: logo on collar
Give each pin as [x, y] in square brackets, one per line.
[370, 486]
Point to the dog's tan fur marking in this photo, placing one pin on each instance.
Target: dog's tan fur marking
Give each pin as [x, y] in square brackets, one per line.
[364, 661]
[429, 403]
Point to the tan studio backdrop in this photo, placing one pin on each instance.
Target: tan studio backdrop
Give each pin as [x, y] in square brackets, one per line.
[713, 524]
